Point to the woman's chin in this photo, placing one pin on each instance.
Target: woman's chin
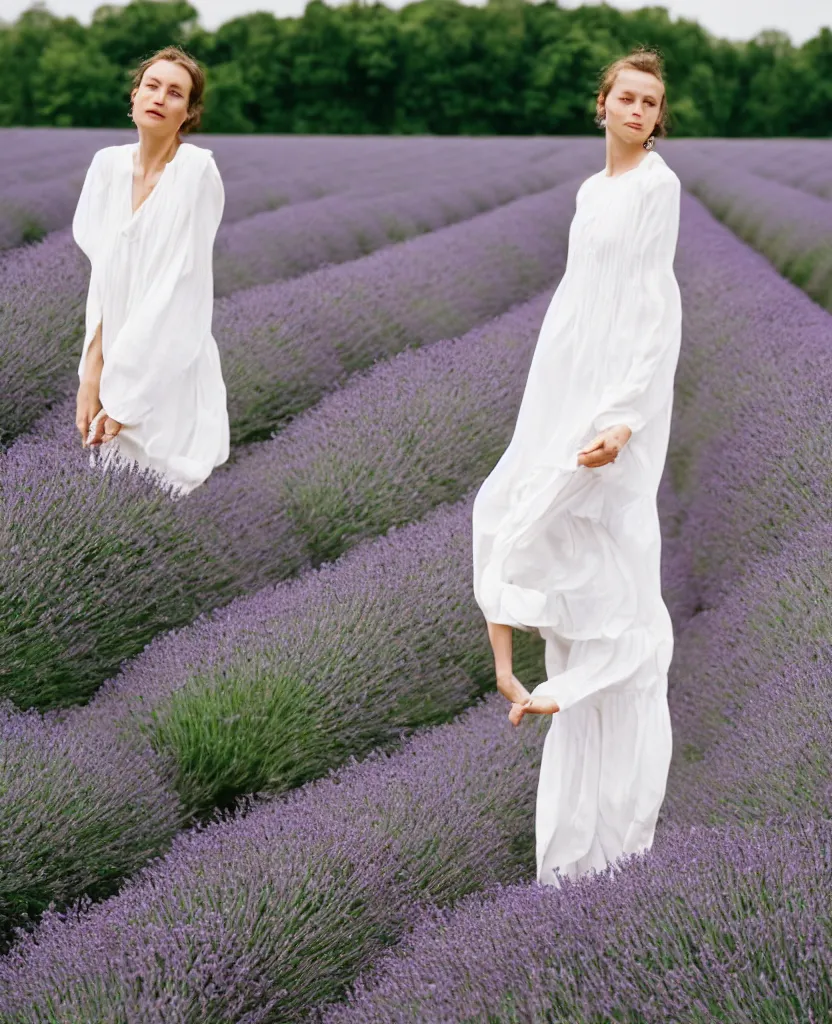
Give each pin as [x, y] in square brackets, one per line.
[157, 125]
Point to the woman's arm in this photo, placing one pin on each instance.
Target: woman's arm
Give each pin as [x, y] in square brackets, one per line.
[166, 327]
[634, 400]
[88, 403]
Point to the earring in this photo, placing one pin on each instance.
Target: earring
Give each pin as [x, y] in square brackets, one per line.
[130, 113]
[648, 144]
[601, 121]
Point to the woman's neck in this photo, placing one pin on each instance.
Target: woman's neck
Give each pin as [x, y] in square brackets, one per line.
[622, 156]
[154, 152]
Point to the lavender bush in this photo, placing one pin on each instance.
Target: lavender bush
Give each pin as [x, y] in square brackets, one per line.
[42, 295]
[748, 691]
[256, 917]
[748, 458]
[80, 809]
[296, 239]
[34, 197]
[285, 345]
[33, 154]
[716, 925]
[92, 566]
[801, 163]
[357, 446]
[298, 706]
[237, 901]
[260, 174]
[749, 450]
[761, 744]
[375, 453]
[270, 692]
[792, 228]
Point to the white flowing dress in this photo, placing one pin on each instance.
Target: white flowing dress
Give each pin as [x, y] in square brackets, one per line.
[152, 289]
[573, 552]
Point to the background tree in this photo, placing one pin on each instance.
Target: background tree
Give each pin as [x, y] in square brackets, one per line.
[434, 66]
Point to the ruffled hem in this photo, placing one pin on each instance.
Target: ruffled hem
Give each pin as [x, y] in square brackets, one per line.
[605, 763]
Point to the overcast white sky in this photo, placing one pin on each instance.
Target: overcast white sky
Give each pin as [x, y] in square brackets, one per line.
[732, 19]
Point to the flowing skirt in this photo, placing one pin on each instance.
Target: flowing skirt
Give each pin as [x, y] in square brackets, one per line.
[605, 759]
[574, 554]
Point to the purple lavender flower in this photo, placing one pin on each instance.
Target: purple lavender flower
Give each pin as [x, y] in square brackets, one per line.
[300, 676]
[716, 924]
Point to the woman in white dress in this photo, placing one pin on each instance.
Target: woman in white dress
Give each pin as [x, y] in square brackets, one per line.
[151, 390]
[566, 535]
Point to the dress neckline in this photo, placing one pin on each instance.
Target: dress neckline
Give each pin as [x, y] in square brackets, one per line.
[131, 152]
[632, 170]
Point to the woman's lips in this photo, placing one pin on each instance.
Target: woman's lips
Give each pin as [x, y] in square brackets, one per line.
[155, 113]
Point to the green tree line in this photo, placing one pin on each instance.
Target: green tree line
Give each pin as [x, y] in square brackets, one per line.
[434, 66]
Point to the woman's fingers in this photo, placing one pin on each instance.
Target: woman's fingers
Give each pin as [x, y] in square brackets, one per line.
[111, 428]
[598, 458]
[595, 443]
[96, 428]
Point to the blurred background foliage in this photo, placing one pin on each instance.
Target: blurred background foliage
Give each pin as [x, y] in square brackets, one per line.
[434, 66]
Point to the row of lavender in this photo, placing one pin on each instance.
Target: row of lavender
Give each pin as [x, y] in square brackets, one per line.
[279, 687]
[263, 516]
[802, 163]
[789, 225]
[43, 287]
[448, 814]
[717, 925]
[726, 920]
[41, 177]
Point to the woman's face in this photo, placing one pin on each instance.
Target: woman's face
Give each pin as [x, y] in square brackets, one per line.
[160, 104]
[632, 105]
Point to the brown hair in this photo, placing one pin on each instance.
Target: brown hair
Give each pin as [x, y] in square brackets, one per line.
[640, 59]
[176, 55]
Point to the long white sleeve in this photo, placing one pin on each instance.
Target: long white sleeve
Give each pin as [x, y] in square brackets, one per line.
[88, 219]
[643, 389]
[167, 324]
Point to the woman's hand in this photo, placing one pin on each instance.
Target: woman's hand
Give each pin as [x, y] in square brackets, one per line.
[87, 406]
[103, 428]
[604, 447]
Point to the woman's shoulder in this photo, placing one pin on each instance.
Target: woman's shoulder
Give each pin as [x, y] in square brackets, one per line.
[588, 184]
[198, 157]
[198, 164]
[107, 156]
[658, 174]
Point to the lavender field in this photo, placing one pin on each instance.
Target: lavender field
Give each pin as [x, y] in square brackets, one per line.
[252, 765]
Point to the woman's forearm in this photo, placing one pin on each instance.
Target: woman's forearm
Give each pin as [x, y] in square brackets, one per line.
[94, 360]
